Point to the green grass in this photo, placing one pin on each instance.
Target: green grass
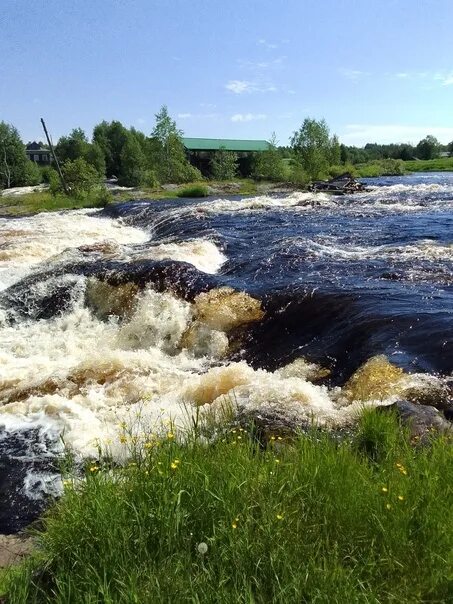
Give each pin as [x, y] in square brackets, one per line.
[44, 201]
[443, 164]
[195, 190]
[367, 519]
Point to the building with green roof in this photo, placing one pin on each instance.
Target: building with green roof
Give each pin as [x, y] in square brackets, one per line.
[200, 151]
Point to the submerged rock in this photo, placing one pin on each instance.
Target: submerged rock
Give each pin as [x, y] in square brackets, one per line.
[375, 379]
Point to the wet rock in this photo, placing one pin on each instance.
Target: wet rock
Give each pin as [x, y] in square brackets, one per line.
[422, 420]
[375, 379]
[436, 394]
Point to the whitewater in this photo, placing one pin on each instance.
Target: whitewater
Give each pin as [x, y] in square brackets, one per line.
[147, 316]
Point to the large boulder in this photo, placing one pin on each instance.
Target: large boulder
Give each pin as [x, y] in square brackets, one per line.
[422, 420]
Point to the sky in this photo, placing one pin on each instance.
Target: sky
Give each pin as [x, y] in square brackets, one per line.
[376, 70]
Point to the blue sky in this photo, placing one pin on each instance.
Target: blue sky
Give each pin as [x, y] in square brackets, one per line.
[376, 70]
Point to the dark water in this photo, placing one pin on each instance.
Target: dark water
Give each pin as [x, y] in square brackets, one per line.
[340, 279]
[355, 276]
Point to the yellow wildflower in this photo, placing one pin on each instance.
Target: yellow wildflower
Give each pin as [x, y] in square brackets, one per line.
[234, 525]
[400, 498]
[173, 465]
[280, 517]
[123, 439]
[388, 506]
[385, 490]
[170, 435]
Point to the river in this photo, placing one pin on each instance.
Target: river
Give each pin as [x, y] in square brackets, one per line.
[148, 313]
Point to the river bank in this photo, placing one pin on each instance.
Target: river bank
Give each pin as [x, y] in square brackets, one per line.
[365, 519]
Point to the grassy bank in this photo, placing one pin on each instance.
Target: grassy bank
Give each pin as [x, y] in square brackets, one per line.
[43, 201]
[443, 164]
[312, 520]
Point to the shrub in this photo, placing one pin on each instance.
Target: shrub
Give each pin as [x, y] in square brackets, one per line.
[150, 179]
[197, 190]
[224, 164]
[80, 177]
[298, 176]
[46, 173]
[32, 173]
[338, 170]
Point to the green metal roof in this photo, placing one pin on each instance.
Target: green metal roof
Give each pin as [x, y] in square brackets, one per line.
[214, 144]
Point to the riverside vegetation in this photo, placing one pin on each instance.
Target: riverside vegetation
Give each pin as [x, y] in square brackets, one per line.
[147, 163]
[317, 518]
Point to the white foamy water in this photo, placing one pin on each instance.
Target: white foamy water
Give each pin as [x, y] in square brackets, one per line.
[293, 201]
[26, 242]
[425, 249]
[120, 355]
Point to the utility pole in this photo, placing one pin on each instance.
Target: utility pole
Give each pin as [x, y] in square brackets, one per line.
[60, 173]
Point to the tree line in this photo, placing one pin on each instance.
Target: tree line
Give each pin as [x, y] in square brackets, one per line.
[139, 160]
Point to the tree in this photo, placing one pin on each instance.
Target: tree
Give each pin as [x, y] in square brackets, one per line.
[13, 160]
[95, 157]
[314, 148]
[72, 146]
[166, 152]
[133, 163]
[224, 164]
[111, 137]
[268, 165]
[428, 148]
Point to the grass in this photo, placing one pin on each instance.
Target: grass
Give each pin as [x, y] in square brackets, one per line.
[43, 201]
[442, 164]
[315, 519]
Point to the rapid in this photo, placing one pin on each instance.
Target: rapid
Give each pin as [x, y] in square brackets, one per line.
[149, 315]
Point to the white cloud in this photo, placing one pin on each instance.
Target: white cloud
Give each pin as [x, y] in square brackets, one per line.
[141, 121]
[352, 74]
[360, 134]
[402, 75]
[267, 44]
[239, 86]
[246, 87]
[184, 116]
[445, 78]
[248, 117]
[260, 65]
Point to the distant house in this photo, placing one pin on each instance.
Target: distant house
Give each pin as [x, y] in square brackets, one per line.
[444, 154]
[38, 153]
[200, 151]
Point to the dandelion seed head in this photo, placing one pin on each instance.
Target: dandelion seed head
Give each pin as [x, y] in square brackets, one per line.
[202, 548]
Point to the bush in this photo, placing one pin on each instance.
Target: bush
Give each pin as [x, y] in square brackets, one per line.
[150, 179]
[224, 164]
[46, 173]
[298, 176]
[197, 190]
[102, 197]
[381, 167]
[33, 174]
[80, 177]
[338, 170]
